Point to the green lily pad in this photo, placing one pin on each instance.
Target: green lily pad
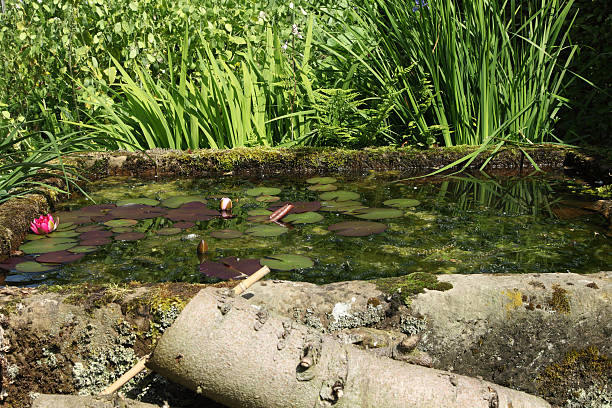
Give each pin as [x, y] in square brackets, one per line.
[122, 230]
[42, 246]
[257, 191]
[66, 226]
[266, 231]
[340, 195]
[321, 180]
[377, 213]
[63, 234]
[402, 202]
[32, 237]
[267, 199]
[32, 266]
[176, 202]
[303, 218]
[169, 231]
[357, 228]
[259, 211]
[341, 206]
[286, 262]
[120, 223]
[141, 200]
[226, 234]
[80, 249]
[323, 187]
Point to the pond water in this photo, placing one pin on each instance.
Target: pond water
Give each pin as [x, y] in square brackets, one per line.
[461, 224]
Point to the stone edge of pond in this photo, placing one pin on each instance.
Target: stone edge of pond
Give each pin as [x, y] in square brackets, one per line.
[16, 214]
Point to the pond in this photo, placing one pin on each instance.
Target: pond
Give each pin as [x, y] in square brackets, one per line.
[339, 229]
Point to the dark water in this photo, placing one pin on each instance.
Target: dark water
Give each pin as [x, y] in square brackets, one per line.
[462, 225]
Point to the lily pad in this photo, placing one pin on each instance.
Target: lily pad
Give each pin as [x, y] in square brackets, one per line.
[141, 200]
[230, 268]
[59, 257]
[267, 199]
[66, 226]
[259, 211]
[137, 212]
[32, 237]
[95, 241]
[88, 228]
[9, 264]
[303, 218]
[95, 234]
[192, 214]
[377, 213]
[340, 195]
[63, 234]
[41, 246]
[226, 234]
[176, 202]
[183, 224]
[130, 236]
[258, 218]
[103, 218]
[120, 223]
[122, 230]
[82, 249]
[357, 228]
[341, 206]
[286, 262]
[323, 187]
[321, 180]
[258, 191]
[169, 231]
[266, 231]
[402, 202]
[298, 206]
[31, 266]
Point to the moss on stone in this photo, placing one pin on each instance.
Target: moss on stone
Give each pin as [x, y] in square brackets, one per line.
[410, 285]
[559, 300]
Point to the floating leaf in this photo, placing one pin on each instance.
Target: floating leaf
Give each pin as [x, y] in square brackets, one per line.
[321, 180]
[63, 234]
[226, 234]
[59, 257]
[303, 218]
[402, 202]
[267, 199]
[89, 228]
[340, 195]
[141, 200]
[377, 213]
[9, 264]
[32, 237]
[258, 218]
[259, 211]
[176, 202]
[192, 214]
[103, 218]
[66, 226]
[95, 241]
[31, 266]
[298, 206]
[230, 268]
[95, 234]
[137, 212]
[120, 223]
[257, 191]
[341, 206]
[81, 249]
[286, 262]
[130, 236]
[183, 224]
[357, 228]
[169, 231]
[41, 246]
[323, 187]
[122, 230]
[266, 231]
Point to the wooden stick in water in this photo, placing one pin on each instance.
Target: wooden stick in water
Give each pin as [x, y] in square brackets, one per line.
[140, 365]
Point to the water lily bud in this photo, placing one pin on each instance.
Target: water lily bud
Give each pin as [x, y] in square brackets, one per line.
[201, 250]
[226, 204]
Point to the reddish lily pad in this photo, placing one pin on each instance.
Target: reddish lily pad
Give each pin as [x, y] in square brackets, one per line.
[377, 213]
[103, 218]
[286, 262]
[95, 234]
[266, 230]
[303, 218]
[88, 228]
[226, 234]
[97, 208]
[258, 191]
[120, 223]
[130, 236]
[33, 267]
[137, 212]
[230, 268]
[323, 187]
[298, 206]
[59, 257]
[141, 200]
[339, 195]
[191, 214]
[41, 246]
[176, 202]
[357, 228]
[9, 264]
[183, 224]
[95, 241]
[321, 180]
[169, 231]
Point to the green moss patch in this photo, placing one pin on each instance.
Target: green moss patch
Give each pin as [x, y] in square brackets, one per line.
[410, 285]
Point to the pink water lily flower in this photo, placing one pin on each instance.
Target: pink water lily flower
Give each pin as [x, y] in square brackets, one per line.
[44, 224]
[226, 204]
